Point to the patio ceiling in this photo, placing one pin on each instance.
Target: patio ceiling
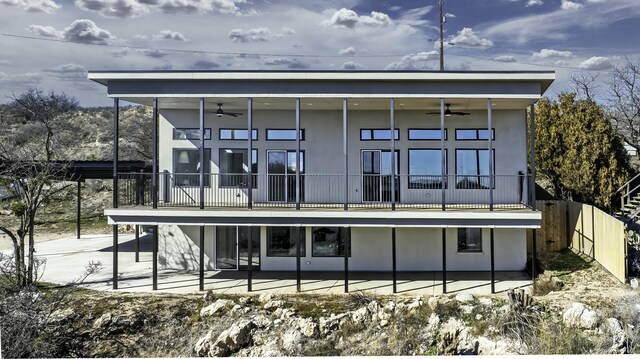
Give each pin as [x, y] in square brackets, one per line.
[306, 104]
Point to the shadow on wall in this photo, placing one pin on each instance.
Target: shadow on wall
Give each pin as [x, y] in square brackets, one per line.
[146, 245]
[176, 249]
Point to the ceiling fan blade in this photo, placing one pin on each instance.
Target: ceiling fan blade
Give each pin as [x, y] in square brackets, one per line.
[232, 114]
[433, 113]
[458, 113]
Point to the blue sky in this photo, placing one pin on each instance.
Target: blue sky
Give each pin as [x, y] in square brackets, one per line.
[52, 43]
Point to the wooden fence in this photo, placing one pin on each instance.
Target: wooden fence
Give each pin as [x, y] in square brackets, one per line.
[587, 230]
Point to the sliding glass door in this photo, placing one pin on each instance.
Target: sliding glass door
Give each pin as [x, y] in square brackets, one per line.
[376, 176]
[232, 247]
[281, 173]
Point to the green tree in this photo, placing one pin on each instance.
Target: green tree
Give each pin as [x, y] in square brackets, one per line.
[578, 153]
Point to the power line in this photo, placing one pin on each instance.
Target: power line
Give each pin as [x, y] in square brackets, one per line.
[244, 54]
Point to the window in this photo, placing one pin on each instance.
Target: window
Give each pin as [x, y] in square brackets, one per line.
[425, 169]
[186, 167]
[283, 135]
[369, 134]
[190, 133]
[281, 241]
[469, 240]
[237, 134]
[467, 134]
[472, 168]
[426, 134]
[329, 241]
[234, 170]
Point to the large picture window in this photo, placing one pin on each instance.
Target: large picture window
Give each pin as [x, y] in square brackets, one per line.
[425, 169]
[186, 167]
[281, 241]
[329, 241]
[237, 134]
[469, 240]
[190, 133]
[283, 135]
[472, 168]
[371, 134]
[234, 168]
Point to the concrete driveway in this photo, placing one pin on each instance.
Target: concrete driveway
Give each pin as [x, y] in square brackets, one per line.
[67, 258]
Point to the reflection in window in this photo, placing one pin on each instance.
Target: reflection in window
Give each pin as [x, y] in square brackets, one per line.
[426, 134]
[237, 134]
[281, 241]
[472, 168]
[474, 134]
[425, 169]
[283, 135]
[186, 167]
[190, 133]
[329, 241]
[470, 240]
[234, 170]
[369, 134]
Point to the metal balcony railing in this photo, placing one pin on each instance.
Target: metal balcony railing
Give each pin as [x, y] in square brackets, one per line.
[326, 190]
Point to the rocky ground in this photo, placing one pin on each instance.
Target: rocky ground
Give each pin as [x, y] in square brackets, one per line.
[586, 311]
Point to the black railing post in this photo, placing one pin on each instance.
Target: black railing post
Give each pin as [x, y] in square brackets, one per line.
[393, 260]
[444, 260]
[201, 261]
[532, 188]
[116, 114]
[347, 253]
[443, 155]
[137, 257]
[493, 264]
[79, 204]
[154, 143]
[298, 253]
[250, 264]
[155, 258]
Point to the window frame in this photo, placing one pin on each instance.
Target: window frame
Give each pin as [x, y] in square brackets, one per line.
[478, 167]
[266, 134]
[467, 251]
[254, 175]
[343, 236]
[477, 131]
[446, 171]
[446, 134]
[371, 132]
[207, 179]
[254, 130]
[206, 131]
[303, 242]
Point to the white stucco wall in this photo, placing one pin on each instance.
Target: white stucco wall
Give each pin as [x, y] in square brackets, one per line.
[418, 249]
[323, 148]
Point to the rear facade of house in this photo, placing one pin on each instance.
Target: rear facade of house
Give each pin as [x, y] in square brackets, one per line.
[332, 171]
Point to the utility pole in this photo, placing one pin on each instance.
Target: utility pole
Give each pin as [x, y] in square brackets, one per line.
[441, 37]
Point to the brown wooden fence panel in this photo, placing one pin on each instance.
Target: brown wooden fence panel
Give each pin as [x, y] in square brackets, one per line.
[584, 228]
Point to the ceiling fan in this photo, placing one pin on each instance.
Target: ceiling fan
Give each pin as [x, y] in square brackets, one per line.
[449, 113]
[221, 113]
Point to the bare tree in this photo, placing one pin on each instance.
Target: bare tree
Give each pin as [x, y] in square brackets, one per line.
[29, 172]
[585, 84]
[624, 101]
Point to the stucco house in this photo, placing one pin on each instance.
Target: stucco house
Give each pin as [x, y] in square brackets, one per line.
[332, 171]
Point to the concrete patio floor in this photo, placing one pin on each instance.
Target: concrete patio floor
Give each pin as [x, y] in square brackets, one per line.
[67, 258]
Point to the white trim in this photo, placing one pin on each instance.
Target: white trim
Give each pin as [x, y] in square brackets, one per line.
[336, 76]
[333, 96]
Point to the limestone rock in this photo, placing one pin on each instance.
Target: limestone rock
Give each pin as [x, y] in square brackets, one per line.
[581, 316]
[216, 307]
[433, 302]
[228, 342]
[613, 328]
[485, 301]
[266, 297]
[292, 341]
[360, 315]
[274, 304]
[308, 327]
[464, 297]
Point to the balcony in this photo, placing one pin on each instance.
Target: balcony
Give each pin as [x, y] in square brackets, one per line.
[326, 191]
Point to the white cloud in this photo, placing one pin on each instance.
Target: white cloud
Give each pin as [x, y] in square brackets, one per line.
[68, 72]
[46, 31]
[289, 62]
[169, 35]
[252, 35]
[505, 58]
[204, 65]
[23, 79]
[5, 62]
[351, 65]
[154, 53]
[467, 38]
[46, 6]
[420, 60]
[534, 3]
[86, 31]
[348, 18]
[548, 53]
[287, 31]
[134, 8]
[348, 51]
[570, 5]
[596, 63]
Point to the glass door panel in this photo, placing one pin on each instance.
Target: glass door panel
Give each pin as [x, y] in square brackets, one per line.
[386, 177]
[227, 247]
[276, 174]
[291, 176]
[243, 247]
[371, 181]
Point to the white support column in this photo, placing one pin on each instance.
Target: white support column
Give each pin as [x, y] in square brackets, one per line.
[443, 155]
[201, 152]
[492, 176]
[249, 152]
[393, 153]
[345, 153]
[298, 153]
